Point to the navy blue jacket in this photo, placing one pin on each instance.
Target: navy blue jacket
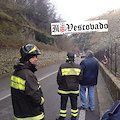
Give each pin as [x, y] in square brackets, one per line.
[113, 113]
[90, 68]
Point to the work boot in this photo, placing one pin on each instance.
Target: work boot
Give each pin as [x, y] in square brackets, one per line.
[60, 118]
[91, 109]
[82, 108]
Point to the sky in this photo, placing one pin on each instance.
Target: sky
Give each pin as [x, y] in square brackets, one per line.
[81, 10]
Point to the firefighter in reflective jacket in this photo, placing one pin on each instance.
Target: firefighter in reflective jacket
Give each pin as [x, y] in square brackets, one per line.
[26, 93]
[68, 77]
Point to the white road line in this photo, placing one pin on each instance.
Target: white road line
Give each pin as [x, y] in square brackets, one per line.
[47, 76]
[38, 80]
[5, 97]
[82, 113]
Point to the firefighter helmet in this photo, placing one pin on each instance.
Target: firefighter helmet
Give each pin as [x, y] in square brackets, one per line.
[70, 56]
[28, 51]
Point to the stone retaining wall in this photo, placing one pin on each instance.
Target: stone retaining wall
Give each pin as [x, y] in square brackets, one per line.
[112, 82]
[9, 57]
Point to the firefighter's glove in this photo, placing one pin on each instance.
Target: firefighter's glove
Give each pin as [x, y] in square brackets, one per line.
[42, 101]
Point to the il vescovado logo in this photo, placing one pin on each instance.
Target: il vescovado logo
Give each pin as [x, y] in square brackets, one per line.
[86, 26]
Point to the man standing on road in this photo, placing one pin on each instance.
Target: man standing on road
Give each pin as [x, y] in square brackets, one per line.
[68, 77]
[90, 68]
[26, 93]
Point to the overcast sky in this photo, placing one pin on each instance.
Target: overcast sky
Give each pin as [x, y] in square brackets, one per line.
[80, 10]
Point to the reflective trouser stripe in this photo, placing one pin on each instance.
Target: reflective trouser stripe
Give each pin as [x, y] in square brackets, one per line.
[74, 112]
[38, 117]
[63, 113]
[68, 92]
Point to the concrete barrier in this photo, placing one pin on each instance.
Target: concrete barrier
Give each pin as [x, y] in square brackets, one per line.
[112, 82]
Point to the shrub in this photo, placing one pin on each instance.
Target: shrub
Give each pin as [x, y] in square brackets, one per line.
[42, 37]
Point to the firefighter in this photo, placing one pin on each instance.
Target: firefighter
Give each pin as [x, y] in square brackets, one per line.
[68, 77]
[26, 93]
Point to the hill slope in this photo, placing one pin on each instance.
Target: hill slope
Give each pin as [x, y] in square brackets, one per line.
[103, 40]
[16, 29]
[96, 40]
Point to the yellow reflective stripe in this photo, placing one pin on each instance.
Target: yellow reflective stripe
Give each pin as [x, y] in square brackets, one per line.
[17, 83]
[63, 113]
[71, 71]
[67, 58]
[32, 49]
[68, 92]
[42, 100]
[39, 85]
[74, 112]
[75, 115]
[38, 117]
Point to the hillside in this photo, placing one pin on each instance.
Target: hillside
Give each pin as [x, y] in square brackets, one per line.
[103, 40]
[17, 29]
[98, 41]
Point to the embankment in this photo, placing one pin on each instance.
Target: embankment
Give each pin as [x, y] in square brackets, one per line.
[10, 57]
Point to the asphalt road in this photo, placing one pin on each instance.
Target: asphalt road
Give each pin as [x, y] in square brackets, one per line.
[47, 78]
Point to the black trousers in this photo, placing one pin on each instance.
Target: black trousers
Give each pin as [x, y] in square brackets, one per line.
[73, 100]
[64, 99]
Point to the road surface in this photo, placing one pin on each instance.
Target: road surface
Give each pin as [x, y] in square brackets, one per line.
[47, 77]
